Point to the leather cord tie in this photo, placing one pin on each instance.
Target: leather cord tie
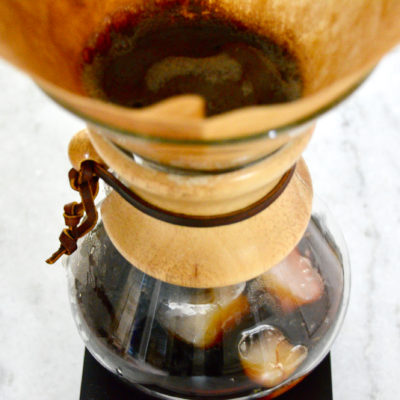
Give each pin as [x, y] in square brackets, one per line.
[86, 183]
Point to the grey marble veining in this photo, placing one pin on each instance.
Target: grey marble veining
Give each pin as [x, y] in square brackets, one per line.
[355, 163]
[354, 160]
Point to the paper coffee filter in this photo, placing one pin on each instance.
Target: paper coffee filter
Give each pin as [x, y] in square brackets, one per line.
[337, 42]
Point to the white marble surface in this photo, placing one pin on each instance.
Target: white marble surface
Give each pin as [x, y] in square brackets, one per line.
[355, 162]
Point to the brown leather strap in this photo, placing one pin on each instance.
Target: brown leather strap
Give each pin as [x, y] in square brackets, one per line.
[86, 183]
[197, 221]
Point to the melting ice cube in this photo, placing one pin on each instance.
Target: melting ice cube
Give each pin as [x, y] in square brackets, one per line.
[267, 356]
[294, 282]
[203, 317]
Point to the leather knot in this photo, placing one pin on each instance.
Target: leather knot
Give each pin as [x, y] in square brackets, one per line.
[86, 182]
[73, 213]
[68, 242]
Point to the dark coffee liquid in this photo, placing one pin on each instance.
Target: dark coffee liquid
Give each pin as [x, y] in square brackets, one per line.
[142, 61]
[114, 300]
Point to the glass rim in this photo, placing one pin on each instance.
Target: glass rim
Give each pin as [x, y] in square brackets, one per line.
[271, 133]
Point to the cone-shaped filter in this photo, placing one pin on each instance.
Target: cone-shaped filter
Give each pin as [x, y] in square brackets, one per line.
[336, 43]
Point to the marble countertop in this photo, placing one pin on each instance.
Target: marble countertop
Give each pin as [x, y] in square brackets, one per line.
[354, 160]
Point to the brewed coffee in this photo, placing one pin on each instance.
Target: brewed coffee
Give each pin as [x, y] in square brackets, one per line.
[162, 328]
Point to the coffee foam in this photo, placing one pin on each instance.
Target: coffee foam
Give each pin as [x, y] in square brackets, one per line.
[216, 69]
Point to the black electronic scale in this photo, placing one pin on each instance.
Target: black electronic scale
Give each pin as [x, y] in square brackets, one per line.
[100, 384]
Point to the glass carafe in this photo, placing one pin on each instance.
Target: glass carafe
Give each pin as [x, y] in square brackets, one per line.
[249, 340]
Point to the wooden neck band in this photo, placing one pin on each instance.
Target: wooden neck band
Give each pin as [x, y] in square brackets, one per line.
[85, 182]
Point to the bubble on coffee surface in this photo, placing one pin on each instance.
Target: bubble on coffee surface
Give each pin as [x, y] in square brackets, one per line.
[153, 56]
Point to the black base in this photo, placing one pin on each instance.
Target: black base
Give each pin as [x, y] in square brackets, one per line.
[100, 384]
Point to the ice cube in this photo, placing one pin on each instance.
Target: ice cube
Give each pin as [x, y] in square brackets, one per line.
[294, 282]
[204, 317]
[267, 357]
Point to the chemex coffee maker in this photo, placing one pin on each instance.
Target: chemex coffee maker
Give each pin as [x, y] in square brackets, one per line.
[199, 265]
